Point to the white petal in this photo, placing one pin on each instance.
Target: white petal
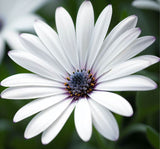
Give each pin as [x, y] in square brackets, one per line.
[113, 102]
[50, 133]
[37, 106]
[15, 44]
[104, 121]
[99, 33]
[23, 23]
[129, 67]
[30, 92]
[116, 48]
[28, 79]
[83, 120]
[84, 28]
[35, 64]
[118, 30]
[129, 83]
[66, 32]
[34, 46]
[1, 48]
[51, 40]
[146, 4]
[135, 48]
[45, 118]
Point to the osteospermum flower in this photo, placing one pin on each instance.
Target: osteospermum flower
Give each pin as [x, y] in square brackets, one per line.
[77, 69]
[15, 16]
[147, 4]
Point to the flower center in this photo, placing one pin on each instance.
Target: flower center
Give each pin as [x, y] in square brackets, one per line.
[80, 83]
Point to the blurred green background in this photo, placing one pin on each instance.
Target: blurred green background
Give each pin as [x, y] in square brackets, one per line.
[139, 131]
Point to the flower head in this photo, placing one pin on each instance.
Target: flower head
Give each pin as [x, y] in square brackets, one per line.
[16, 16]
[76, 69]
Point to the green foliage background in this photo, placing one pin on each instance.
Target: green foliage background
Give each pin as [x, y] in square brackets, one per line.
[139, 131]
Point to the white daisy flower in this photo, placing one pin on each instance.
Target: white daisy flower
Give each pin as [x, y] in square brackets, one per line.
[16, 15]
[147, 4]
[77, 69]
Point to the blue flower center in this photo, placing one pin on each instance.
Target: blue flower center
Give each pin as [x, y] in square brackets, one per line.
[80, 83]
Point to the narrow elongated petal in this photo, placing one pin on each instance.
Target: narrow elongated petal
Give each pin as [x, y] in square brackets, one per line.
[34, 45]
[45, 118]
[35, 64]
[28, 79]
[113, 102]
[83, 120]
[36, 106]
[67, 35]
[135, 48]
[98, 35]
[51, 40]
[30, 92]
[129, 67]
[116, 48]
[51, 132]
[123, 26]
[129, 83]
[104, 121]
[84, 28]
[118, 30]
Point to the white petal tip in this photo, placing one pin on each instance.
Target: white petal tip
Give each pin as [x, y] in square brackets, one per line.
[155, 86]
[116, 137]
[154, 38]
[44, 142]
[152, 85]
[138, 29]
[2, 83]
[86, 139]
[11, 53]
[110, 6]
[134, 17]
[27, 136]
[37, 23]
[87, 2]
[129, 113]
[3, 95]
[16, 119]
[59, 8]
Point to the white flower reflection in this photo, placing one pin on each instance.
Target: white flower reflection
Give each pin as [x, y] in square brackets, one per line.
[147, 4]
[16, 15]
[76, 69]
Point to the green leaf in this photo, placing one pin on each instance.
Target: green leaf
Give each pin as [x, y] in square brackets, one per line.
[153, 137]
[147, 103]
